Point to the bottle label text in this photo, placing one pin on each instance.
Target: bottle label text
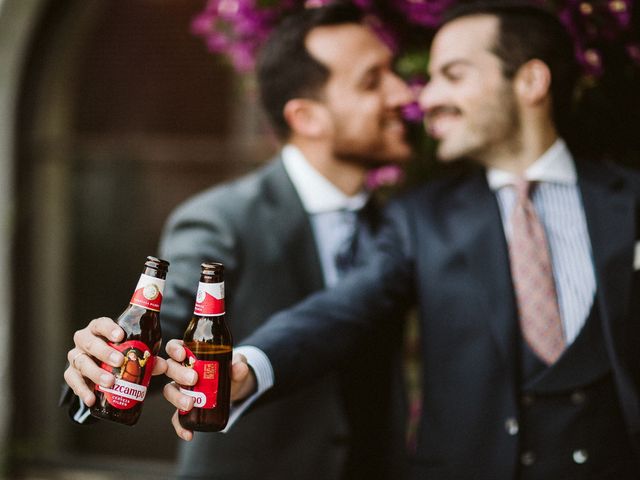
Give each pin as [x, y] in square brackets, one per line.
[205, 391]
[148, 293]
[132, 377]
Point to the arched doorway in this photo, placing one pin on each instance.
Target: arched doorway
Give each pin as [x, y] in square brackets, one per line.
[121, 115]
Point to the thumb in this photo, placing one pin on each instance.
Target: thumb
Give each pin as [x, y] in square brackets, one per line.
[243, 380]
[159, 366]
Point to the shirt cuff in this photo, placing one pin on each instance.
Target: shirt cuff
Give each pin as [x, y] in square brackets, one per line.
[82, 413]
[261, 366]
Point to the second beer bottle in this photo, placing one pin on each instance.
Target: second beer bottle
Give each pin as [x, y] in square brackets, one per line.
[208, 343]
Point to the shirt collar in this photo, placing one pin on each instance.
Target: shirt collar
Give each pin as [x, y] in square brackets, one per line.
[556, 165]
[318, 195]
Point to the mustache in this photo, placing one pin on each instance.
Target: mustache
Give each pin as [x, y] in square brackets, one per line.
[443, 109]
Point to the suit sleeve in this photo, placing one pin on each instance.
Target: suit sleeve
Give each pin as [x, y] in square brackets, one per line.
[322, 332]
[195, 233]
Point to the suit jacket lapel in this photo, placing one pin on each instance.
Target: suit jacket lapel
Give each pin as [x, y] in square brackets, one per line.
[485, 247]
[609, 210]
[292, 230]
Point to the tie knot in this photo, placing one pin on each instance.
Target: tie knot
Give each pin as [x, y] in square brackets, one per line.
[349, 218]
[345, 254]
[523, 187]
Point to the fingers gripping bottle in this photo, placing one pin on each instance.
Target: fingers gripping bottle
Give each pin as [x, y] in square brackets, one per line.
[209, 345]
[140, 321]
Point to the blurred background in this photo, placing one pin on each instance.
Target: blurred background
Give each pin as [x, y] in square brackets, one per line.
[113, 112]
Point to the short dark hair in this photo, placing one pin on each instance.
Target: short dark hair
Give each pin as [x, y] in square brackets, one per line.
[529, 31]
[286, 70]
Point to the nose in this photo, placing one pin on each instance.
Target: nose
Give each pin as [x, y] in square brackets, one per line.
[398, 92]
[426, 97]
[433, 95]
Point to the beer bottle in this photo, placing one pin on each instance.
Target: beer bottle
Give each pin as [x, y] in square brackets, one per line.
[140, 321]
[209, 345]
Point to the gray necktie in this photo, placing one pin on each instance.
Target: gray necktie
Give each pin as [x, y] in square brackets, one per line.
[345, 257]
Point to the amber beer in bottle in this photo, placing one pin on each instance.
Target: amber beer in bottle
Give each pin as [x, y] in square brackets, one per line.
[209, 346]
[122, 403]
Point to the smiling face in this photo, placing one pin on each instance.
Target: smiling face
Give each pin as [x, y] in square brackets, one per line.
[470, 107]
[363, 97]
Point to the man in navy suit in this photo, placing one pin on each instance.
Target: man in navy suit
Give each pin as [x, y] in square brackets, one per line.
[498, 403]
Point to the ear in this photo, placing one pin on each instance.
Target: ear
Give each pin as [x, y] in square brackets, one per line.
[306, 117]
[533, 82]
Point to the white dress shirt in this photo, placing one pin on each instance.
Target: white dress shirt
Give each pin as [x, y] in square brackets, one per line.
[332, 213]
[558, 203]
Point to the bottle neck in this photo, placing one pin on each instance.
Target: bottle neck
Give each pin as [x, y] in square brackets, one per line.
[160, 273]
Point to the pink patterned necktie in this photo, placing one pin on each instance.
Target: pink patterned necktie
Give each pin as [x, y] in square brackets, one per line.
[533, 279]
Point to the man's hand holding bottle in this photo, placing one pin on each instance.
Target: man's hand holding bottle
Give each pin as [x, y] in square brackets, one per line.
[91, 348]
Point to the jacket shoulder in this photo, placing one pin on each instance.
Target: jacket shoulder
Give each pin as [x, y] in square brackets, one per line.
[433, 194]
[229, 199]
[630, 175]
[610, 173]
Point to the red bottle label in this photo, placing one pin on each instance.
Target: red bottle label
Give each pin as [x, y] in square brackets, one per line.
[148, 293]
[205, 391]
[210, 300]
[132, 377]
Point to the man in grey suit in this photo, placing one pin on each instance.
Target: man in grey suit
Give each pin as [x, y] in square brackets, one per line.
[327, 86]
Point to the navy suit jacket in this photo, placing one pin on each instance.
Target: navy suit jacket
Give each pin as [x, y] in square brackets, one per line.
[443, 249]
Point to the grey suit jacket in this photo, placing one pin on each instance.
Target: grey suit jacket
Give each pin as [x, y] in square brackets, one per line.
[257, 228]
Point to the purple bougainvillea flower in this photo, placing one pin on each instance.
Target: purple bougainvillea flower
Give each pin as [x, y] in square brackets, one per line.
[621, 10]
[591, 60]
[412, 112]
[633, 50]
[237, 28]
[423, 12]
[386, 176]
